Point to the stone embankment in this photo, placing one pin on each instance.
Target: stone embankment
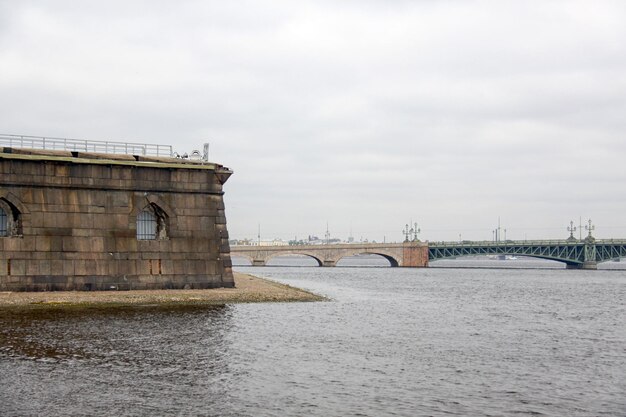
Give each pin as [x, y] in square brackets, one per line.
[248, 289]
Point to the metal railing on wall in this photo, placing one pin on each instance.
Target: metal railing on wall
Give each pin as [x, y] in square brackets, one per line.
[84, 145]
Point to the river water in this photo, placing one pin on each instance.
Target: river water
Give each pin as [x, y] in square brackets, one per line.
[534, 339]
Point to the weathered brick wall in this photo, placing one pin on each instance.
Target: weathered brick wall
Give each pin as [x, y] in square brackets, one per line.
[79, 223]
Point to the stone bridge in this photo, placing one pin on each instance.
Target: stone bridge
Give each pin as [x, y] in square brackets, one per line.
[409, 254]
[576, 254]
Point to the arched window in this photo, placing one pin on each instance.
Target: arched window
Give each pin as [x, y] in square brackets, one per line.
[151, 223]
[10, 219]
[4, 223]
[146, 225]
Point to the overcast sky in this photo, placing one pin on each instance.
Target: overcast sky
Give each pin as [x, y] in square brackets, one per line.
[361, 114]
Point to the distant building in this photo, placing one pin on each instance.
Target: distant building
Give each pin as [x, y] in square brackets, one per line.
[274, 242]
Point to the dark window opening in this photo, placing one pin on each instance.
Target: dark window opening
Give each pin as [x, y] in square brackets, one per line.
[4, 223]
[151, 223]
[10, 219]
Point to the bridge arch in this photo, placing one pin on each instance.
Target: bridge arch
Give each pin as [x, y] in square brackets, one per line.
[393, 261]
[570, 256]
[270, 256]
[547, 258]
[244, 256]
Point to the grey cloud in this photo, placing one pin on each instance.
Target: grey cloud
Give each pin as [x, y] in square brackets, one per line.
[366, 114]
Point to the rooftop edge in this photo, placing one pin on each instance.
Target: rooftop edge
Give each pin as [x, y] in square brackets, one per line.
[105, 158]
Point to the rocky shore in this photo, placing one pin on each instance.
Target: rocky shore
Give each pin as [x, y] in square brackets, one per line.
[248, 289]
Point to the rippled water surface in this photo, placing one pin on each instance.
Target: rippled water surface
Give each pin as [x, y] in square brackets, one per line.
[404, 342]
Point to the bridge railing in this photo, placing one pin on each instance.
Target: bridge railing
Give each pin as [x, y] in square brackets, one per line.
[84, 145]
[502, 243]
[466, 243]
[522, 243]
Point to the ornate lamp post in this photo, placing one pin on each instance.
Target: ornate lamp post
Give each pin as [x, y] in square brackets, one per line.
[416, 230]
[571, 229]
[590, 228]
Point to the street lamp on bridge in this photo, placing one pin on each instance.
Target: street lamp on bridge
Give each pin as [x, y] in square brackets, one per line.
[571, 229]
[590, 228]
[407, 232]
[416, 230]
[413, 231]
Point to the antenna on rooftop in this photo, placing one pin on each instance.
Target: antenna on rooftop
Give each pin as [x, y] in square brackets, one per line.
[205, 153]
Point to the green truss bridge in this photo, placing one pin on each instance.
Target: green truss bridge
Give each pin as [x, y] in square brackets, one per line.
[576, 254]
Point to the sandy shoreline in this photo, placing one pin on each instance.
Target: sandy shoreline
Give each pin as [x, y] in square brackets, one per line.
[248, 289]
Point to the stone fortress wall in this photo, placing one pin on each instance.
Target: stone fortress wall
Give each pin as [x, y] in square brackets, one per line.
[71, 222]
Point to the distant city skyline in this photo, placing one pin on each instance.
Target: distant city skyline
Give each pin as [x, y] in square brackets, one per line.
[580, 231]
[364, 116]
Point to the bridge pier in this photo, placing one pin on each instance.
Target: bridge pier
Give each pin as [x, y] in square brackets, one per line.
[585, 265]
[258, 262]
[329, 263]
[590, 265]
[414, 254]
